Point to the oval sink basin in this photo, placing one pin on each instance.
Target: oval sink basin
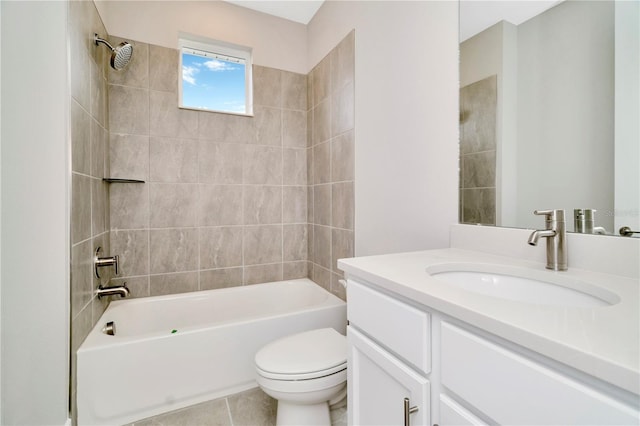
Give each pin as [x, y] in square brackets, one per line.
[524, 285]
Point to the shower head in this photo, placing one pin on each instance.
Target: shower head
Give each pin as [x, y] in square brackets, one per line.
[120, 55]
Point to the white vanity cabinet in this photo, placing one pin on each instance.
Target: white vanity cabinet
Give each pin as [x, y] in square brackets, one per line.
[456, 375]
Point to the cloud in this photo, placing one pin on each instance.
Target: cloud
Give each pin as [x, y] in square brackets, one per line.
[215, 65]
[189, 74]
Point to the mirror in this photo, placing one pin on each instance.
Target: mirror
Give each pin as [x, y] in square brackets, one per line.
[549, 107]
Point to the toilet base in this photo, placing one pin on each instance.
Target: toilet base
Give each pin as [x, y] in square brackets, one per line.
[303, 415]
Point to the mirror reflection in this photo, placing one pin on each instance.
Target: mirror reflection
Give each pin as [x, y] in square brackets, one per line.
[549, 102]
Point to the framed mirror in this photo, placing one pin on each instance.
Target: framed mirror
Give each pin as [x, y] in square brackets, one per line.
[549, 107]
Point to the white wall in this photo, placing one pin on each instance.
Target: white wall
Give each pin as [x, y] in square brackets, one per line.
[565, 140]
[35, 228]
[627, 123]
[276, 42]
[406, 118]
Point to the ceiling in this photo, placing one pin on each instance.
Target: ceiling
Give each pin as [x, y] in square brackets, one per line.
[294, 10]
[475, 15]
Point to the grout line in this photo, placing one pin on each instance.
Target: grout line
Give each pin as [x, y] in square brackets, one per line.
[226, 400]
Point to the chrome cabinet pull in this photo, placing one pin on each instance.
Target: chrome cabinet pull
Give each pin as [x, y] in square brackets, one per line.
[407, 411]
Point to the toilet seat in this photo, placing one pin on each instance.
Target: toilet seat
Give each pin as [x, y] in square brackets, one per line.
[303, 356]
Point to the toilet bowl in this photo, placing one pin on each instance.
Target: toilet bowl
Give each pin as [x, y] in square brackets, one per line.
[306, 373]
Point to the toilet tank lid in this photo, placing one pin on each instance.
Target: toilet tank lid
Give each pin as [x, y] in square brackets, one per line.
[306, 352]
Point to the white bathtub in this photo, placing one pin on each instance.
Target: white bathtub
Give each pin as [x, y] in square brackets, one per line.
[147, 368]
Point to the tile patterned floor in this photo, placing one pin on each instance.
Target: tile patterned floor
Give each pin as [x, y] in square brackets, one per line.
[249, 408]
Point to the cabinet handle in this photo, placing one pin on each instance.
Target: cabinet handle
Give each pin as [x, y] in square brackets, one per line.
[407, 411]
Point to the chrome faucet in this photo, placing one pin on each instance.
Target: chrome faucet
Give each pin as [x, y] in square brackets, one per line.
[556, 235]
[116, 290]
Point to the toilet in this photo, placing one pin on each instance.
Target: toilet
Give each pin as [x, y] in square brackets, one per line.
[306, 373]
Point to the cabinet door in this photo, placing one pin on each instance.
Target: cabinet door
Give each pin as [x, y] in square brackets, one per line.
[452, 414]
[378, 383]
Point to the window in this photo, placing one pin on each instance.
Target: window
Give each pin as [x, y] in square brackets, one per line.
[215, 76]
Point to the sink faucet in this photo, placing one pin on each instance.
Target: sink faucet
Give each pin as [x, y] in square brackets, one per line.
[116, 290]
[556, 236]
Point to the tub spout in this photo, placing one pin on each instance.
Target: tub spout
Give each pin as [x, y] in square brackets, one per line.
[117, 290]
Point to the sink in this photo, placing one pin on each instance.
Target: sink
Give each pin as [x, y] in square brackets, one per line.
[523, 285]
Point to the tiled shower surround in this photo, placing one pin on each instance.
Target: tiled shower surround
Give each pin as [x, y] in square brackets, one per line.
[225, 201]
[478, 103]
[228, 200]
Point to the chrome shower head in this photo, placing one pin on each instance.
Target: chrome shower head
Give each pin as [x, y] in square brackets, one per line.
[120, 55]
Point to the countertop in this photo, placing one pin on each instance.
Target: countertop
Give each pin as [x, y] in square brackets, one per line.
[603, 342]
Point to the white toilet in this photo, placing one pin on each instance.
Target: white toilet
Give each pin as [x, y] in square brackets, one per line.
[306, 373]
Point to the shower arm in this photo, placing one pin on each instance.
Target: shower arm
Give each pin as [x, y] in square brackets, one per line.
[97, 40]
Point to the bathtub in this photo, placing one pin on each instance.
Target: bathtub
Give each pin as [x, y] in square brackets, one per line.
[169, 352]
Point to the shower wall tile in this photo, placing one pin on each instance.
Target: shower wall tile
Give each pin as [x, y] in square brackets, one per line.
[294, 91]
[173, 250]
[132, 247]
[343, 157]
[342, 205]
[342, 110]
[262, 205]
[295, 270]
[478, 206]
[80, 139]
[173, 283]
[81, 276]
[267, 86]
[173, 160]
[219, 186]
[227, 128]
[294, 239]
[343, 63]
[220, 247]
[220, 278]
[262, 273]
[128, 110]
[136, 73]
[98, 94]
[89, 155]
[262, 165]
[99, 153]
[172, 205]
[163, 68]
[167, 120]
[294, 128]
[331, 164]
[129, 204]
[129, 155]
[321, 121]
[80, 208]
[322, 204]
[262, 244]
[220, 163]
[294, 166]
[294, 202]
[99, 203]
[268, 125]
[220, 205]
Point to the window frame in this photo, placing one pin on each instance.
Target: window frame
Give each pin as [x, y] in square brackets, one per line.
[213, 48]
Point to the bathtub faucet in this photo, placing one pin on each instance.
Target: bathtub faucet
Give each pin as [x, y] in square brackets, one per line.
[116, 290]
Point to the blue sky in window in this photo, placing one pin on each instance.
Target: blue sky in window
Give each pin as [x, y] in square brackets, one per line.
[214, 84]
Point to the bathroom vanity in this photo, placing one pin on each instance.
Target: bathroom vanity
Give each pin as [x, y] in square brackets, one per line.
[427, 346]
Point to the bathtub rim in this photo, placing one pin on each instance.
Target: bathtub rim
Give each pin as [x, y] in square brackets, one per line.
[96, 339]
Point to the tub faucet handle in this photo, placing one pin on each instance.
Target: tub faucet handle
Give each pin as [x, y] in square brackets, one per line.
[100, 262]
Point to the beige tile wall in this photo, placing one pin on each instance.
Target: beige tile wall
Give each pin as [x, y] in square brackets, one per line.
[330, 159]
[89, 160]
[224, 203]
[478, 104]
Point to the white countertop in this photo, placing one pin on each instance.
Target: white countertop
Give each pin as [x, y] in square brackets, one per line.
[603, 341]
